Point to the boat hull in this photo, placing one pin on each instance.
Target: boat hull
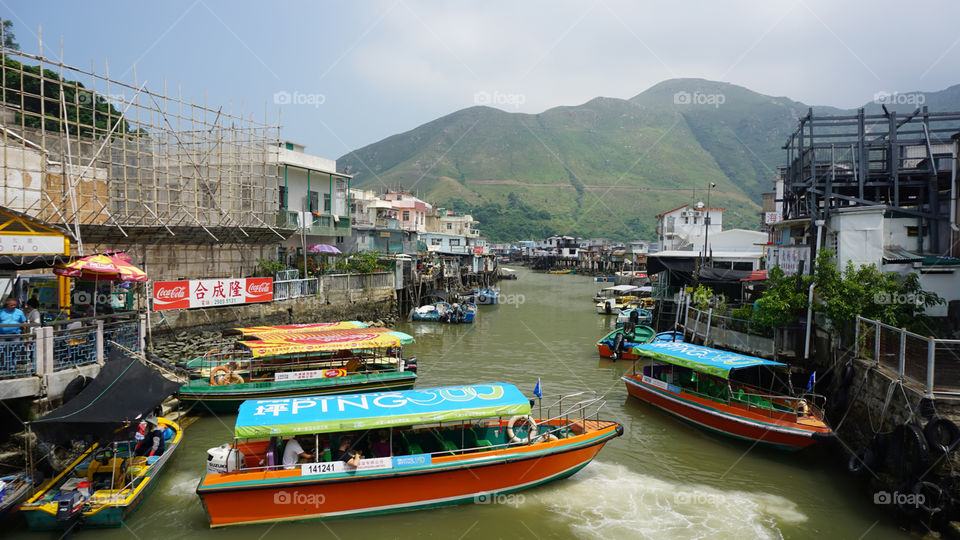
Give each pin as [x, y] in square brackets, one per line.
[228, 398]
[773, 430]
[43, 517]
[448, 480]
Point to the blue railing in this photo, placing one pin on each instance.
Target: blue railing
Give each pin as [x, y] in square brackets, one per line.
[74, 347]
[125, 333]
[17, 355]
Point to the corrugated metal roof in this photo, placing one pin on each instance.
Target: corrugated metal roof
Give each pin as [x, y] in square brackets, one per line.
[899, 255]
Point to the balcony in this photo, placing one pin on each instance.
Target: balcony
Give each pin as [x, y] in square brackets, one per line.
[318, 226]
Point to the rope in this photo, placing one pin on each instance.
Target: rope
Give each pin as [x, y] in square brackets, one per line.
[866, 372]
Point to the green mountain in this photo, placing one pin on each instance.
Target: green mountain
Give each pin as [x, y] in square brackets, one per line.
[601, 169]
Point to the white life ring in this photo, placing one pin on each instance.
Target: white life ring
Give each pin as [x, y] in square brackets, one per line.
[532, 430]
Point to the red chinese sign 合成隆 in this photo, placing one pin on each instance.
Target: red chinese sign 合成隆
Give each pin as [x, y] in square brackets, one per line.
[198, 293]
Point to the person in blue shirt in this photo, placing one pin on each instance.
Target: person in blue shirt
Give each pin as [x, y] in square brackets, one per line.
[10, 314]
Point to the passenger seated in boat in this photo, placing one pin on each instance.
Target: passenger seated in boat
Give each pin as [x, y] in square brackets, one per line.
[380, 446]
[345, 454]
[292, 452]
[152, 443]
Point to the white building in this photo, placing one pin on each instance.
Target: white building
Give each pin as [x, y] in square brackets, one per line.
[685, 227]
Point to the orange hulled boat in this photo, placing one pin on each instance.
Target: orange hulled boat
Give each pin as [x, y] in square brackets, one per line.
[729, 393]
[417, 449]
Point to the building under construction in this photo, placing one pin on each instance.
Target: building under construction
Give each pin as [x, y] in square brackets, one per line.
[876, 189]
[189, 190]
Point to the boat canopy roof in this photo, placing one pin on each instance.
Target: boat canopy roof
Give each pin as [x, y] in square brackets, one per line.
[700, 358]
[623, 288]
[350, 412]
[256, 331]
[281, 343]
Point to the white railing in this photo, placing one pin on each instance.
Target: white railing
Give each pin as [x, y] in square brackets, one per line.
[295, 288]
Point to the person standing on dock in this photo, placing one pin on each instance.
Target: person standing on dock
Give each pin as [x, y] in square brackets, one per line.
[11, 314]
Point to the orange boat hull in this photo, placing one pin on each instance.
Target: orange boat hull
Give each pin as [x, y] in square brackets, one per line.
[261, 497]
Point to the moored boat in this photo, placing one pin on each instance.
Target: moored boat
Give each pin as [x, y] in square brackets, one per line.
[644, 316]
[13, 489]
[437, 447]
[720, 391]
[620, 342]
[446, 313]
[299, 362]
[112, 478]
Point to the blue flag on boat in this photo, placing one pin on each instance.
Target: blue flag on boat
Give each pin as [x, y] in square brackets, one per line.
[536, 389]
[812, 381]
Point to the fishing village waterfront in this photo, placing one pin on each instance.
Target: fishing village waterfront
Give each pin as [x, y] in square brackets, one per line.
[509, 308]
[663, 478]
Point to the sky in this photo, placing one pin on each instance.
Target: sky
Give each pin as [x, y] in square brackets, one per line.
[342, 75]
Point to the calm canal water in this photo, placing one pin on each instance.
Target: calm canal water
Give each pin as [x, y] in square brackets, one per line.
[662, 479]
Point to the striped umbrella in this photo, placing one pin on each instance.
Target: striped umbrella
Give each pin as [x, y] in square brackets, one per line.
[115, 266]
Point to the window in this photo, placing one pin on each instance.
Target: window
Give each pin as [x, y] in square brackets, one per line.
[313, 201]
[435, 241]
[339, 239]
[454, 241]
[283, 198]
[406, 215]
[449, 226]
[326, 202]
[746, 266]
[913, 230]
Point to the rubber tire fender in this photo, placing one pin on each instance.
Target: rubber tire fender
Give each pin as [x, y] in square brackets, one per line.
[74, 387]
[929, 497]
[909, 450]
[942, 435]
[846, 376]
[861, 461]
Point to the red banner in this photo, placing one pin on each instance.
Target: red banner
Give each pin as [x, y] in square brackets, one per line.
[211, 292]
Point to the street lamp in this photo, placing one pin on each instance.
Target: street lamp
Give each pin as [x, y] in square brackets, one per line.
[706, 219]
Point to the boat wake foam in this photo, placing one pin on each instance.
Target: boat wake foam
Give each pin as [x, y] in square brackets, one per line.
[607, 500]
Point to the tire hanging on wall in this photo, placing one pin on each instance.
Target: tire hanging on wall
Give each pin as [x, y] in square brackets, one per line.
[909, 451]
[861, 461]
[75, 386]
[942, 436]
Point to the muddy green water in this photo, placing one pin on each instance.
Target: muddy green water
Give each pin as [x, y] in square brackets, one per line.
[662, 479]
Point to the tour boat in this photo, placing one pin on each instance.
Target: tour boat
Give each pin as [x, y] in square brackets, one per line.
[617, 291]
[618, 344]
[300, 362]
[720, 391]
[485, 296]
[438, 446]
[108, 481]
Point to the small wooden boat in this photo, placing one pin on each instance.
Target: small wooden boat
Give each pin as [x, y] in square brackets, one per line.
[667, 336]
[486, 296]
[13, 489]
[446, 313]
[619, 343]
[300, 362]
[719, 390]
[438, 446]
[562, 272]
[102, 487]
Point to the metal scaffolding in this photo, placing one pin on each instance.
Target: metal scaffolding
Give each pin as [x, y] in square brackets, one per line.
[119, 162]
[904, 161]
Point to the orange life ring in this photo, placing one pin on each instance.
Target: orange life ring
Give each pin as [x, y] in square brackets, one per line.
[227, 377]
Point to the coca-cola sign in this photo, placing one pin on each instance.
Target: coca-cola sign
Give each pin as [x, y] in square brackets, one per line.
[211, 292]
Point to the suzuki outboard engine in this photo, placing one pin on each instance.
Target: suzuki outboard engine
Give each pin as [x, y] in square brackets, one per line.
[225, 458]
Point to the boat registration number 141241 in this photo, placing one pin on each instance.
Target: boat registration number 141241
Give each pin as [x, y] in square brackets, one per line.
[323, 467]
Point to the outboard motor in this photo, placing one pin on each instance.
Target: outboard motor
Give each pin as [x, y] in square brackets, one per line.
[608, 306]
[69, 509]
[617, 345]
[225, 458]
[410, 364]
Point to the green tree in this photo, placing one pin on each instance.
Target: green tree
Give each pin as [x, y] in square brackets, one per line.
[9, 39]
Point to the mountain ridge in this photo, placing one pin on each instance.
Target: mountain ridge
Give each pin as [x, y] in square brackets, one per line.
[605, 167]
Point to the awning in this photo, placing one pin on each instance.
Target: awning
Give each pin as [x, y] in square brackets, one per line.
[898, 255]
[351, 412]
[277, 344]
[125, 391]
[255, 331]
[756, 275]
[700, 358]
